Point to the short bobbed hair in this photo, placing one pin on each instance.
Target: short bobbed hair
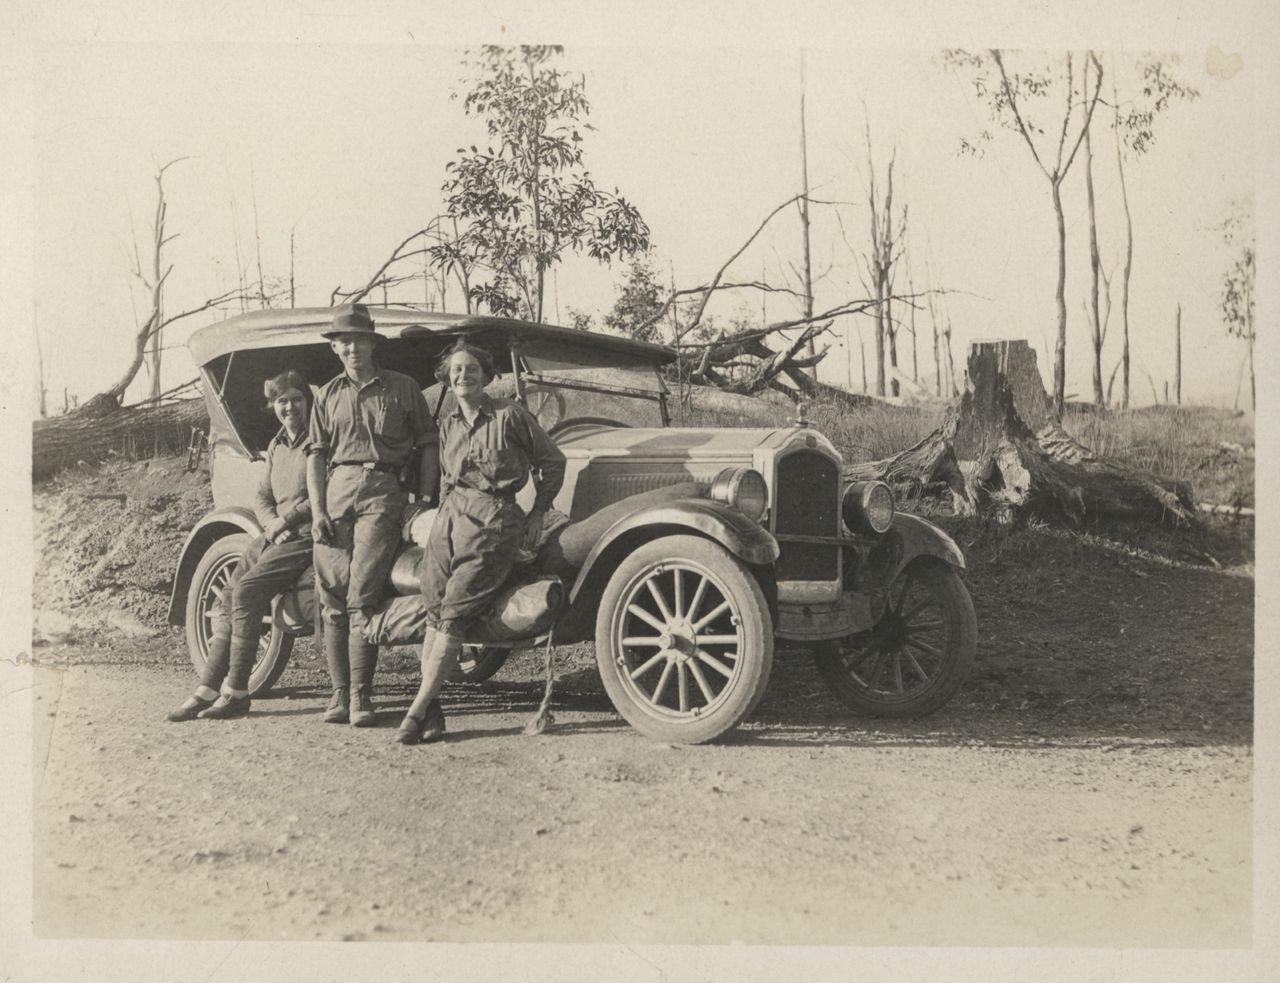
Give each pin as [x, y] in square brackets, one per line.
[480, 355]
[278, 385]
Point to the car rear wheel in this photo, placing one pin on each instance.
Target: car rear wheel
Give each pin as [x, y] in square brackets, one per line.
[204, 605]
[684, 641]
[915, 658]
[476, 663]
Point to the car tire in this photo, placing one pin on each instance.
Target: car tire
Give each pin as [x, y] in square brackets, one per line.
[688, 668]
[476, 663]
[212, 574]
[919, 653]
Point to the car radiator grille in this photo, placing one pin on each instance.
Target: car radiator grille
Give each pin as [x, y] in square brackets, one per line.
[807, 503]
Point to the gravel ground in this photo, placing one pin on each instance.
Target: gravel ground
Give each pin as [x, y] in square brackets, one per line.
[794, 831]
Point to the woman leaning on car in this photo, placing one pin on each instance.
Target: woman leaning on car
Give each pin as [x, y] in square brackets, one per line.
[268, 567]
[488, 447]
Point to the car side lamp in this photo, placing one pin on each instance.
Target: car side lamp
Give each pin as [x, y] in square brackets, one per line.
[868, 507]
[196, 447]
[743, 489]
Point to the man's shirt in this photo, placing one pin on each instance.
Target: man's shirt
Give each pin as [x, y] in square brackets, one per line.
[383, 421]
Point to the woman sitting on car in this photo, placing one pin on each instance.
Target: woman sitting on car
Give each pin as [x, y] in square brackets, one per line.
[270, 565]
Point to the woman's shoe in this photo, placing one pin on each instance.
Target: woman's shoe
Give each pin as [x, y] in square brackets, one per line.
[422, 731]
[192, 708]
[433, 726]
[410, 731]
[226, 708]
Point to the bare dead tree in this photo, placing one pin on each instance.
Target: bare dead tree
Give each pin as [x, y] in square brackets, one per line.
[257, 240]
[879, 262]
[1128, 248]
[152, 351]
[1177, 354]
[1095, 265]
[915, 362]
[1134, 127]
[951, 364]
[804, 212]
[40, 385]
[235, 232]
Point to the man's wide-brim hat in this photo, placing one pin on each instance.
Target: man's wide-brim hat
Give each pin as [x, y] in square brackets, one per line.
[351, 319]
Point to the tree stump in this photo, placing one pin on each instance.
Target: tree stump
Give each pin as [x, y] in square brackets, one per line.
[1002, 451]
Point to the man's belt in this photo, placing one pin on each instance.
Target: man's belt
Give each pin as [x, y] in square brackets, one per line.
[370, 465]
[507, 496]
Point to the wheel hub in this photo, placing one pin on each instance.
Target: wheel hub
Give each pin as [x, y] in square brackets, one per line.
[679, 641]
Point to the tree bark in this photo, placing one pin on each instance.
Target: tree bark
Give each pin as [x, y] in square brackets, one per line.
[1128, 255]
[1015, 458]
[1095, 264]
[1060, 296]
[88, 436]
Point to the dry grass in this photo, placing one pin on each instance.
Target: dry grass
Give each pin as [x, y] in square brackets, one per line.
[1182, 442]
[863, 434]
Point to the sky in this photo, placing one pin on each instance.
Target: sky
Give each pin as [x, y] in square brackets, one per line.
[344, 146]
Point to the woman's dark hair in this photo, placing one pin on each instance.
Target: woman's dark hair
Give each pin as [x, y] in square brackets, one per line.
[277, 385]
[480, 355]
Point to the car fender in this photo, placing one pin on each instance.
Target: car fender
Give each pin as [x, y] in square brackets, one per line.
[215, 525]
[745, 539]
[920, 537]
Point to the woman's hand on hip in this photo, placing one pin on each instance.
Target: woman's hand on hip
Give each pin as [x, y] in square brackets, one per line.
[532, 529]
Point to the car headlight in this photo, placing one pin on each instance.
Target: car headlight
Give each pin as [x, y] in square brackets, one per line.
[743, 489]
[868, 506]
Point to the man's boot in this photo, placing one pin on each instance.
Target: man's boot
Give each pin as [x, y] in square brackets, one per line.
[335, 653]
[364, 662]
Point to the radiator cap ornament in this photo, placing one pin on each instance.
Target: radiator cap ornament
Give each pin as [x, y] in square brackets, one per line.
[799, 420]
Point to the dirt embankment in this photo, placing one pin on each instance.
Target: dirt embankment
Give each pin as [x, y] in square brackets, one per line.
[107, 542]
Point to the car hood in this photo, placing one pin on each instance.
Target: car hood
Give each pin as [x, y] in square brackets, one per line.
[672, 442]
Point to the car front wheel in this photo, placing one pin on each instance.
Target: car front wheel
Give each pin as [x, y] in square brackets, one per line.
[684, 641]
[204, 605]
[916, 656]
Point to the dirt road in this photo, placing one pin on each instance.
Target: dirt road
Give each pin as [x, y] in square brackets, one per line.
[970, 828]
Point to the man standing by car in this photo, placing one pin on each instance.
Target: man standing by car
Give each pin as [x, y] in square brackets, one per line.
[366, 426]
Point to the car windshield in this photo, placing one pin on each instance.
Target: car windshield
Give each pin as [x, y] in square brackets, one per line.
[563, 383]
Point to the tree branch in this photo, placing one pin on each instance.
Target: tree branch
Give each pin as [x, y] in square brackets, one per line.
[1017, 115]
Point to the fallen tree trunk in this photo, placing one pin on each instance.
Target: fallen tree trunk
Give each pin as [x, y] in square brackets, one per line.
[91, 435]
[1002, 451]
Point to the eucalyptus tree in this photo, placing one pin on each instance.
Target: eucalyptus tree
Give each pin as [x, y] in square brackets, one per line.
[526, 199]
[1133, 121]
[1238, 284]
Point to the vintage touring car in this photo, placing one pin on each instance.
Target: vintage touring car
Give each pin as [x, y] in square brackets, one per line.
[689, 554]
